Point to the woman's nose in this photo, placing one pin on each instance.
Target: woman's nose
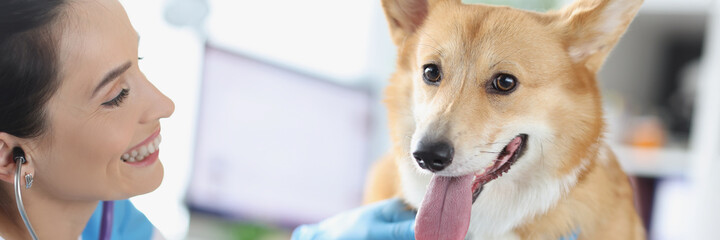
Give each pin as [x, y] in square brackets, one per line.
[167, 106]
[159, 105]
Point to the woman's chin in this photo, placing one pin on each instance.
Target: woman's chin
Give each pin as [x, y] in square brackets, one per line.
[152, 182]
[143, 182]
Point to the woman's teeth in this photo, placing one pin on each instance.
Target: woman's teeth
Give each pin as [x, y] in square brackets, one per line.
[138, 154]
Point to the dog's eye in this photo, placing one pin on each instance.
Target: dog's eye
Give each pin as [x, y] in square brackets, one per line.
[431, 74]
[504, 82]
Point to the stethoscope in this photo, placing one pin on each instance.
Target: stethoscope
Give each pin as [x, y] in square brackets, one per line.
[107, 209]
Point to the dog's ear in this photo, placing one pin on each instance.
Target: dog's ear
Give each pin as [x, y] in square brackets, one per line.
[593, 27]
[406, 16]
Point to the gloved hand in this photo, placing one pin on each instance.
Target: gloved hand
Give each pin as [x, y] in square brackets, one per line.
[388, 219]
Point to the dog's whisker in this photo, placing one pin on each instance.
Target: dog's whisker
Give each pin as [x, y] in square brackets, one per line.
[431, 38]
[434, 48]
[489, 152]
[542, 155]
[493, 143]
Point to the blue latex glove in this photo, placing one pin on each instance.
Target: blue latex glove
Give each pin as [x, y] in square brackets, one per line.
[388, 219]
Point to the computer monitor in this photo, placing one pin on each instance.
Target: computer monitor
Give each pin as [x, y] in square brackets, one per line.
[274, 145]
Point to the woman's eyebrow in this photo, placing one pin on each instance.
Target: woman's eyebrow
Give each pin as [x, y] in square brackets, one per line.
[112, 75]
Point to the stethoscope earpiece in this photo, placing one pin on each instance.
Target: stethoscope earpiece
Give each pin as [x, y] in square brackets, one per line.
[19, 155]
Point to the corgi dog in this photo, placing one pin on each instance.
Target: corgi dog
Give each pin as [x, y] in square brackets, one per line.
[497, 124]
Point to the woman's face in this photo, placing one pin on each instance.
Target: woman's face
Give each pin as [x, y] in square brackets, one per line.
[104, 108]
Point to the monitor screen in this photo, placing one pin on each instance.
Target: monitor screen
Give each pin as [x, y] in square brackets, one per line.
[277, 146]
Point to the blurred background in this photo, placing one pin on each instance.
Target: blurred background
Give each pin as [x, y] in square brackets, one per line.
[279, 115]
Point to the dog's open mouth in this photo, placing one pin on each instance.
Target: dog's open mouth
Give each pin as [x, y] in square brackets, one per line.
[445, 210]
[507, 157]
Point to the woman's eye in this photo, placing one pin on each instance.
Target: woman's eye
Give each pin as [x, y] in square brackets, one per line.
[432, 74]
[115, 102]
[504, 82]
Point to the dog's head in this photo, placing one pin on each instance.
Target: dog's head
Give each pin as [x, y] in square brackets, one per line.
[482, 89]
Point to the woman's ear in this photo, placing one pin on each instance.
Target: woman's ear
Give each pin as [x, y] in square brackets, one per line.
[7, 163]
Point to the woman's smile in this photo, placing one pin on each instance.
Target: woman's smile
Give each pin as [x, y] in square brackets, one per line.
[145, 152]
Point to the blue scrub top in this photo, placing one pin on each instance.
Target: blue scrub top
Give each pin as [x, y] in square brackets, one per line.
[128, 223]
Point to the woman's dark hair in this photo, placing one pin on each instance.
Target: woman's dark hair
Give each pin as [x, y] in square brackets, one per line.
[28, 64]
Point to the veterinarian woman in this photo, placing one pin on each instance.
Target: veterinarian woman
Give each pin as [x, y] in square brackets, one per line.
[78, 122]
[80, 131]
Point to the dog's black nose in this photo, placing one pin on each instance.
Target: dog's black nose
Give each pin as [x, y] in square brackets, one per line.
[434, 156]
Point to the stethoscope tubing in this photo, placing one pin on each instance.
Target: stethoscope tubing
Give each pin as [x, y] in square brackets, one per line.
[18, 198]
[107, 220]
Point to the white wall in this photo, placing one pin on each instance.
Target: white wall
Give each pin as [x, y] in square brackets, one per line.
[320, 37]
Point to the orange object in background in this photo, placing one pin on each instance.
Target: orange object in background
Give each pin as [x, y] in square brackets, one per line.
[647, 133]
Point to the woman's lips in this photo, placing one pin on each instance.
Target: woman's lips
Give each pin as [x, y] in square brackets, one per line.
[144, 149]
[147, 161]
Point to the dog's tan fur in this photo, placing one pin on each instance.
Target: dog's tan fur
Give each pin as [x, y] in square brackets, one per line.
[555, 57]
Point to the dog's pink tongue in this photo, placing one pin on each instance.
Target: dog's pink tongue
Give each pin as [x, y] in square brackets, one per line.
[445, 210]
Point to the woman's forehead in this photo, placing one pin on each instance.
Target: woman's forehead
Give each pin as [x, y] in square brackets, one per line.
[96, 36]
